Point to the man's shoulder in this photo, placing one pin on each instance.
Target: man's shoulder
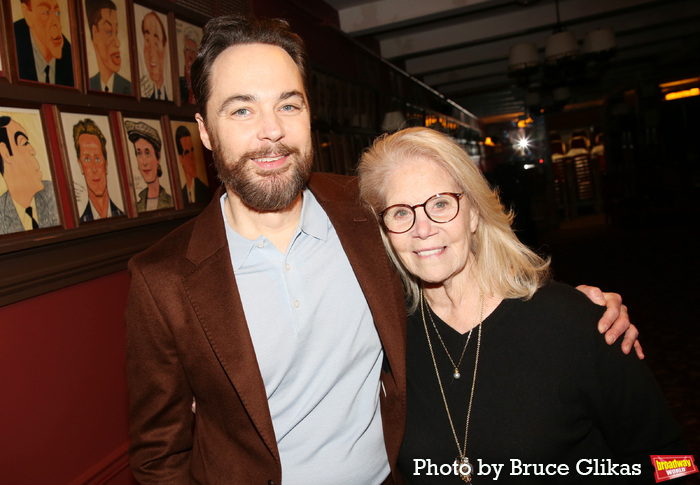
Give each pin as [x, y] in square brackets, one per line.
[334, 187]
[121, 84]
[21, 27]
[164, 253]
[170, 253]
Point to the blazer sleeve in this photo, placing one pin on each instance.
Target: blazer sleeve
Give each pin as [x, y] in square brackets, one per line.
[160, 404]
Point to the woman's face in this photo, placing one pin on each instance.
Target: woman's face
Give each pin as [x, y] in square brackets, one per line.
[434, 252]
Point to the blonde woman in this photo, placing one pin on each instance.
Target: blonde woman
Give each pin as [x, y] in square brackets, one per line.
[504, 367]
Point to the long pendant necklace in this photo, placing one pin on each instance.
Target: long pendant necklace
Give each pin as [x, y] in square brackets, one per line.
[461, 461]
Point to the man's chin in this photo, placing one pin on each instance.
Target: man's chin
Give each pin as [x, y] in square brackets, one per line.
[57, 51]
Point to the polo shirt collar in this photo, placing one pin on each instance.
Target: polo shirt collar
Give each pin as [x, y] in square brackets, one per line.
[313, 222]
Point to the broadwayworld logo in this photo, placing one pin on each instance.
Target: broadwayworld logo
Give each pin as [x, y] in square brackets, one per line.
[667, 467]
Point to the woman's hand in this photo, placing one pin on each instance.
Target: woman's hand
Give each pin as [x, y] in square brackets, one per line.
[615, 320]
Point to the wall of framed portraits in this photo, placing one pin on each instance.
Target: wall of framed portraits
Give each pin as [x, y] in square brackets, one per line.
[99, 158]
[95, 109]
[98, 141]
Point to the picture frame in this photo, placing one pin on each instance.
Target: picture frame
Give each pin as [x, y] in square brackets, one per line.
[153, 51]
[148, 163]
[193, 187]
[188, 37]
[92, 167]
[107, 46]
[60, 63]
[27, 177]
[3, 43]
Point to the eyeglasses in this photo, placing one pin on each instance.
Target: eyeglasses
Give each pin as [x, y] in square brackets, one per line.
[440, 208]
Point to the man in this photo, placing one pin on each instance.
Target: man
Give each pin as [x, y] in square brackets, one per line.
[189, 50]
[154, 48]
[91, 150]
[104, 33]
[29, 202]
[147, 147]
[43, 52]
[276, 309]
[194, 189]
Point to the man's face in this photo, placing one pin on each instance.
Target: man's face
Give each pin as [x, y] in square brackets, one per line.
[146, 157]
[258, 126]
[154, 48]
[190, 52]
[105, 40]
[21, 167]
[189, 165]
[44, 21]
[93, 164]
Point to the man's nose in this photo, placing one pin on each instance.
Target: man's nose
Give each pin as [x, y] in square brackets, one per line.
[271, 127]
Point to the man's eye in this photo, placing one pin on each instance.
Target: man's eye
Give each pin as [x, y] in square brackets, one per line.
[241, 112]
[290, 107]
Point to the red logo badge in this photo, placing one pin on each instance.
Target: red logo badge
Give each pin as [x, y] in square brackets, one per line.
[667, 467]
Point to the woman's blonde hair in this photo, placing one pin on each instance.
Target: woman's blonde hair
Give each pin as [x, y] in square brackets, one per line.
[504, 266]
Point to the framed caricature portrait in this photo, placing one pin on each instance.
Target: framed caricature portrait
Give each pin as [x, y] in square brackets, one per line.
[93, 170]
[148, 164]
[3, 42]
[153, 49]
[44, 34]
[189, 152]
[106, 46]
[188, 39]
[27, 195]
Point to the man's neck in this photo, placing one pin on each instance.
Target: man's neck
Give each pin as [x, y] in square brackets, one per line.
[278, 227]
[21, 195]
[45, 52]
[100, 203]
[105, 76]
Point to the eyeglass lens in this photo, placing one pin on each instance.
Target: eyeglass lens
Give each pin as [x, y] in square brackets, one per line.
[439, 208]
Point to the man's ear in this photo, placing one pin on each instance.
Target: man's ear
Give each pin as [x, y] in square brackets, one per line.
[27, 18]
[203, 133]
[4, 153]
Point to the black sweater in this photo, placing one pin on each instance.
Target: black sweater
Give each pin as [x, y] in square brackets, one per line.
[549, 390]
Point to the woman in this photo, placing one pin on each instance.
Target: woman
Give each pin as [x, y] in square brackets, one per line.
[505, 369]
[147, 146]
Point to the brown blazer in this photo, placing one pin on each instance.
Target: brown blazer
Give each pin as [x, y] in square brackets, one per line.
[187, 337]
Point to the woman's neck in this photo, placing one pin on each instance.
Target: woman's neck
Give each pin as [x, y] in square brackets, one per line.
[458, 302]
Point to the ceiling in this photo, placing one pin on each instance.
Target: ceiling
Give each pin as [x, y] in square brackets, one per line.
[461, 47]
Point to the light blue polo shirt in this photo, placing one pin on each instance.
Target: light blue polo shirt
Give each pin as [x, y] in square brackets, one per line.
[318, 350]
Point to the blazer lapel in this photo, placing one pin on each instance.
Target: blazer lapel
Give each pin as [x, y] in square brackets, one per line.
[213, 292]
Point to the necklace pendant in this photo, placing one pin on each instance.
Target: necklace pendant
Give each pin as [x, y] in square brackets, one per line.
[464, 468]
[456, 374]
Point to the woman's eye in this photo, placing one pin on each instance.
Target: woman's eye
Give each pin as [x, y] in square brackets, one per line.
[401, 213]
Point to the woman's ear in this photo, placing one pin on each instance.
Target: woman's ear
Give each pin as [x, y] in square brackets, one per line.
[473, 219]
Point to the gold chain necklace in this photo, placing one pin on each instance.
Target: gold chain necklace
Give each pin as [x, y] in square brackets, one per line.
[462, 460]
[456, 374]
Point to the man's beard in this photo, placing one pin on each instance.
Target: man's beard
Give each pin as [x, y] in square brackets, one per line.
[264, 190]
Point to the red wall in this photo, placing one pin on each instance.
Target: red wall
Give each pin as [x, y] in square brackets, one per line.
[63, 400]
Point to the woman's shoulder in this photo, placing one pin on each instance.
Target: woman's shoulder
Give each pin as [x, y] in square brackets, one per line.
[556, 307]
[563, 297]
